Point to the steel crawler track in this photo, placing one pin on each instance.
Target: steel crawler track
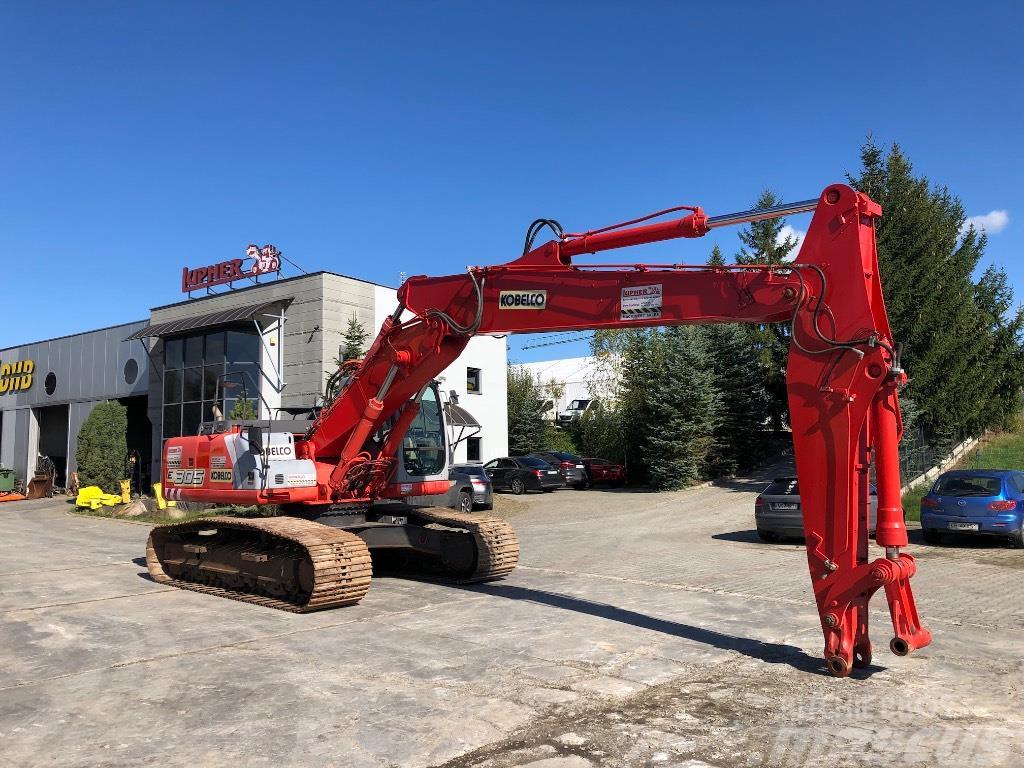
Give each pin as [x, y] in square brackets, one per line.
[496, 542]
[341, 566]
[337, 561]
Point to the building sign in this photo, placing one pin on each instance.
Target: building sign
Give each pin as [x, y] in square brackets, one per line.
[257, 261]
[16, 377]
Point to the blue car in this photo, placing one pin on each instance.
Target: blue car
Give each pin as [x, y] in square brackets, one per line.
[975, 502]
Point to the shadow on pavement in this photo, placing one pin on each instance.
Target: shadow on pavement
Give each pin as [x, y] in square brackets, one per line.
[751, 537]
[772, 653]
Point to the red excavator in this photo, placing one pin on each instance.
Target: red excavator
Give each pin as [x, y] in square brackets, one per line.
[382, 436]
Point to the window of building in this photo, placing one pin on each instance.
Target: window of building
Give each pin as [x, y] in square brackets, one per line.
[473, 380]
[472, 449]
[131, 371]
[205, 370]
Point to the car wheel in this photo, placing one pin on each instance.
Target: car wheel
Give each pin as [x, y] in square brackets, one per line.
[1017, 540]
[465, 501]
[517, 486]
[931, 536]
[766, 536]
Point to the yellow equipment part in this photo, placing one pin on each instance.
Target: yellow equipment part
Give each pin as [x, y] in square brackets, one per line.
[93, 497]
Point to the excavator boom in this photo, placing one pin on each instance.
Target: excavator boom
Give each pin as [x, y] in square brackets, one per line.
[843, 375]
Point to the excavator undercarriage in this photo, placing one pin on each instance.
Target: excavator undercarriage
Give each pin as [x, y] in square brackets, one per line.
[301, 565]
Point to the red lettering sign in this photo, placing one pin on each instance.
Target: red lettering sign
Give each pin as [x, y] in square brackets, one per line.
[265, 260]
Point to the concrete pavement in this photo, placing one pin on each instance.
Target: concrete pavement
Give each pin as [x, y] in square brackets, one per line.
[641, 629]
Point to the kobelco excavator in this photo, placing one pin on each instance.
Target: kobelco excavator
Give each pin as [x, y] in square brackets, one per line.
[382, 436]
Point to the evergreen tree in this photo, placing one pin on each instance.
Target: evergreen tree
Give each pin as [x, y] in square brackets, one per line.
[685, 409]
[243, 410]
[950, 326]
[716, 259]
[102, 446]
[642, 373]
[764, 243]
[355, 339]
[741, 437]
[526, 426]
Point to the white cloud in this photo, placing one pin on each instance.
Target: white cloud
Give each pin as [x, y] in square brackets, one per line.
[990, 223]
[793, 234]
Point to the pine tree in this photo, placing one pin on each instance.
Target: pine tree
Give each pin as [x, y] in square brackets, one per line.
[642, 372]
[948, 324]
[526, 427]
[355, 339]
[243, 410]
[716, 259]
[741, 437]
[764, 243]
[685, 409]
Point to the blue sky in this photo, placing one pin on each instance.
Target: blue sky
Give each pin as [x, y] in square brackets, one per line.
[422, 137]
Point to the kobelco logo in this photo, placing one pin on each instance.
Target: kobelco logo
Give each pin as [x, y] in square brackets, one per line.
[523, 300]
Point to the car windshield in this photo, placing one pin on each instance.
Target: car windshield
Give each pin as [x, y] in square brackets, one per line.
[565, 456]
[959, 485]
[535, 463]
[471, 469]
[597, 461]
[783, 486]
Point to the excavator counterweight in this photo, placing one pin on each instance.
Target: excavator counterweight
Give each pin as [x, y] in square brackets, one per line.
[843, 378]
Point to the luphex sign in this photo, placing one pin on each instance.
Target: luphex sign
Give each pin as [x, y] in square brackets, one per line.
[16, 377]
[262, 261]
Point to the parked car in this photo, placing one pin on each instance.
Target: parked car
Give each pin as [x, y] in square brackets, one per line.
[471, 488]
[976, 502]
[576, 409]
[603, 471]
[778, 515]
[520, 474]
[571, 466]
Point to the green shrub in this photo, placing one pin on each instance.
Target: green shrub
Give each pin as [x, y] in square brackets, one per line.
[102, 446]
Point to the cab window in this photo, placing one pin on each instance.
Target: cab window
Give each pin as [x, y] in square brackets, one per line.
[423, 451]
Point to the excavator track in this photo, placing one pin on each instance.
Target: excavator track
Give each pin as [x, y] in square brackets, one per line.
[497, 546]
[279, 562]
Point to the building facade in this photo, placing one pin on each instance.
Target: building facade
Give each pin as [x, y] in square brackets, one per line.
[261, 351]
[572, 378]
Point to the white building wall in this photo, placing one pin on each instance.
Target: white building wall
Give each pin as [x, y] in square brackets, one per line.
[579, 377]
[490, 404]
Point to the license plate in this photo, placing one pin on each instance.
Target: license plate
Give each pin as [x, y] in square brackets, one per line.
[580, 466]
[552, 471]
[785, 506]
[963, 526]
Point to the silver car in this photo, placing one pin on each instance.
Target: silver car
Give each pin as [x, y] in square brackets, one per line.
[471, 488]
[777, 511]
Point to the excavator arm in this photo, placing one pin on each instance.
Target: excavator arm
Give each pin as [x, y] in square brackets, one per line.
[843, 375]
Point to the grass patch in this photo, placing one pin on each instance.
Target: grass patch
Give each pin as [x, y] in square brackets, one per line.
[1003, 450]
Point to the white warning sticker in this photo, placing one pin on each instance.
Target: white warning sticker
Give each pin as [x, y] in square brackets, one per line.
[173, 458]
[641, 302]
